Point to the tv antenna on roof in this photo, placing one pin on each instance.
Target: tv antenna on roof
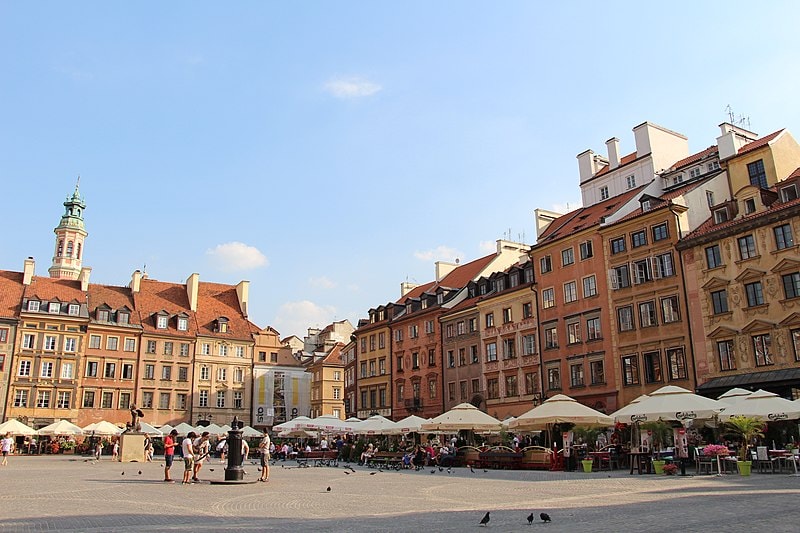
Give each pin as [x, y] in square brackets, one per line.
[741, 120]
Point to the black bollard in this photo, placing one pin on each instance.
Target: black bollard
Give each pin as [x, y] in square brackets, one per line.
[683, 467]
[234, 470]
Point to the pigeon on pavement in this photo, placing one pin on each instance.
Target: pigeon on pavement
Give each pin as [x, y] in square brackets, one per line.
[485, 519]
[530, 519]
[545, 517]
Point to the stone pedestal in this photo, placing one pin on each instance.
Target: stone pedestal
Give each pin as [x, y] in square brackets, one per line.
[131, 447]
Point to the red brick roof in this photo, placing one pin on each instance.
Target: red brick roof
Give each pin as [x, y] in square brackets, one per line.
[112, 296]
[585, 217]
[215, 300]
[630, 158]
[155, 296]
[465, 273]
[758, 143]
[10, 293]
[49, 289]
[709, 226]
[416, 292]
[694, 158]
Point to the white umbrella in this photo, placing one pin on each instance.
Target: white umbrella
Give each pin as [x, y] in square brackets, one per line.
[15, 427]
[410, 424]
[62, 427]
[766, 406]
[300, 433]
[102, 428]
[374, 425]
[734, 395]
[628, 409]
[353, 419]
[508, 420]
[672, 403]
[292, 424]
[212, 429]
[165, 429]
[463, 416]
[183, 428]
[247, 431]
[152, 431]
[327, 423]
[225, 429]
[558, 410]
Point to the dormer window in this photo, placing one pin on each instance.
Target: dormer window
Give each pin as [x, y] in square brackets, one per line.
[74, 309]
[380, 315]
[161, 321]
[440, 298]
[123, 317]
[749, 206]
[53, 307]
[720, 215]
[424, 303]
[789, 193]
[103, 315]
[646, 205]
[678, 178]
[408, 307]
[713, 165]
[183, 323]
[695, 172]
[33, 305]
[222, 325]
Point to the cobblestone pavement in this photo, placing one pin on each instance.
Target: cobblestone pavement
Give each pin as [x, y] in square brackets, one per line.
[66, 493]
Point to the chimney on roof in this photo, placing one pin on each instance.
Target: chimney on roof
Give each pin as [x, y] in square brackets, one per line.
[406, 287]
[589, 164]
[192, 288]
[27, 271]
[243, 292]
[613, 152]
[136, 281]
[732, 139]
[83, 277]
[443, 268]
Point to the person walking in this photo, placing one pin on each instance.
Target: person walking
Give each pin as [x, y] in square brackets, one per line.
[202, 448]
[115, 451]
[187, 450]
[264, 447]
[6, 447]
[169, 453]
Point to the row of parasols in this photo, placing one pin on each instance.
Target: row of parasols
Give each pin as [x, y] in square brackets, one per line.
[107, 429]
[669, 403]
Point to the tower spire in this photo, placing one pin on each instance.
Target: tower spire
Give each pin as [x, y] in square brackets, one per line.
[70, 234]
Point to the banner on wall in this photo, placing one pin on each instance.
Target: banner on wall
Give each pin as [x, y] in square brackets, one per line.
[280, 395]
[681, 442]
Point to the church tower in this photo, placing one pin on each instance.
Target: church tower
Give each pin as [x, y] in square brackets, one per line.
[70, 234]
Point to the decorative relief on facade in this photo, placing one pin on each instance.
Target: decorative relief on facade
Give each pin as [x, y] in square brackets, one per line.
[743, 355]
[736, 296]
[772, 287]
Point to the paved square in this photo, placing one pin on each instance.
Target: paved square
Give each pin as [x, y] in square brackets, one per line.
[65, 493]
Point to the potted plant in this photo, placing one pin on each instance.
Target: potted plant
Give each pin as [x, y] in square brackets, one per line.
[587, 436]
[670, 469]
[747, 428]
[659, 435]
[716, 450]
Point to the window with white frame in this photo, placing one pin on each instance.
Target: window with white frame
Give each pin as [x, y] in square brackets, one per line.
[221, 398]
[70, 344]
[130, 344]
[46, 369]
[203, 398]
[240, 351]
[570, 292]
[529, 344]
[162, 321]
[222, 373]
[669, 310]
[589, 286]
[54, 308]
[238, 399]
[593, 331]
[73, 309]
[43, 398]
[567, 256]
[630, 181]
[548, 298]
[33, 305]
[50, 342]
[647, 314]
[223, 349]
[67, 370]
[183, 323]
[28, 341]
[238, 374]
[625, 318]
[573, 333]
[112, 343]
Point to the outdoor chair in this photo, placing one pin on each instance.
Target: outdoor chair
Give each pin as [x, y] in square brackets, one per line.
[764, 461]
[703, 463]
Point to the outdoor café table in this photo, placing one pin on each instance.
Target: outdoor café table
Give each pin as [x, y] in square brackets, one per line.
[599, 457]
[641, 460]
[783, 458]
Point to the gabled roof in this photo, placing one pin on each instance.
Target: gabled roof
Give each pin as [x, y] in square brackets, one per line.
[113, 297]
[758, 143]
[216, 300]
[47, 289]
[11, 290]
[585, 217]
[694, 158]
[416, 292]
[155, 296]
[465, 273]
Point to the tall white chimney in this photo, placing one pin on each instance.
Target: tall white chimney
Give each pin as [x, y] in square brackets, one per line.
[192, 288]
[83, 277]
[136, 281]
[613, 152]
[243, 292]
[27, 271]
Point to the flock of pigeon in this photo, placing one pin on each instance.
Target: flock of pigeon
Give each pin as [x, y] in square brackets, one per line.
[544, 517]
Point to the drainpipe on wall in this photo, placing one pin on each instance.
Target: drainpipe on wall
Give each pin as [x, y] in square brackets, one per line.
[686, 301]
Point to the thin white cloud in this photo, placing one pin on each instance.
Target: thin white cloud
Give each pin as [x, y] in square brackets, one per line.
[440, 253]
[322, 282]
[236, 256]
[487, 247]
[354, 87]
[294, 318]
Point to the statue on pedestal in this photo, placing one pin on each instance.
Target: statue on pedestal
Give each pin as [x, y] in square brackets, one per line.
[134, 424]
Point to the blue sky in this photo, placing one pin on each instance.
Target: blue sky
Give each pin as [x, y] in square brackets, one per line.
[328, 151]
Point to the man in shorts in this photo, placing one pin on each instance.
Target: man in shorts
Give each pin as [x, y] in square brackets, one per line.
[201, 450]
[6, 446]
[263, 447]
[169, 453]
[188, 457]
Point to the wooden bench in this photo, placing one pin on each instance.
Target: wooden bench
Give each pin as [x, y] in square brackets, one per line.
[536, 457]
[318, 458]
[387, 460]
